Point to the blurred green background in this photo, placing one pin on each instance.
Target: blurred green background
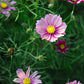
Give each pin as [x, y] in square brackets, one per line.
[18, 32]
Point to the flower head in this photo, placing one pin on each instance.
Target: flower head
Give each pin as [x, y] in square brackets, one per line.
[6, 6]
[74, 82]
[75, 1]
[51, 27]
[27, 78]
[62, 46]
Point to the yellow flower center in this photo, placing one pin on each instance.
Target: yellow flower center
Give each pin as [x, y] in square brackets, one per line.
[74, 0]
[51, 29]
[4, 5]
[62, 46]
[27, 81]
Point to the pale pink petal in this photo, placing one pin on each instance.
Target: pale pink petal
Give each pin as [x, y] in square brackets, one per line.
[53, 38]
[34, 74]
[36, 81]
[57, 21]
[13, 2]
[17, 80]
[62, 28]
[5, 12]
[41, 23]
[46, 36]
[20, 73]
[48, 18]
[13, 8]
[28, 73]
[37, 77]
[58, 35]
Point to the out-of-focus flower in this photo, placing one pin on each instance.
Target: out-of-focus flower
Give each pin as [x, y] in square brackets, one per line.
[6, 6]
[27, 78]
[50, 5]
[11, 51]
[75, 1]
[82, 0]
[51, 27]
[74, 82]
[62, 46]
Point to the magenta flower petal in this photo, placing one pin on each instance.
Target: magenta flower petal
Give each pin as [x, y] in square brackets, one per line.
[51, 27]
[62, 46]
[20, 73]
[75, 2]
[82, 1]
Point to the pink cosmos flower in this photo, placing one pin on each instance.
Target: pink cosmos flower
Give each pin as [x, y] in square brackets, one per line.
[62, 46]
[75, 1]
[51, 27]
[27, 78]
[74, 82]
[6, 6]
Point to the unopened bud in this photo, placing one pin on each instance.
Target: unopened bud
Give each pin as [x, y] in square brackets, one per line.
[11, 51]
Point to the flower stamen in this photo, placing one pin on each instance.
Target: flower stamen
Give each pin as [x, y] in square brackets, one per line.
[62, 46]
[4, 5]
[51, 29]
[74, 0]
[27, 81]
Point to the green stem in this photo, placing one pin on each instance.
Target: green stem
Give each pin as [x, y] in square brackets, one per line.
[10, 65]
[73, 7]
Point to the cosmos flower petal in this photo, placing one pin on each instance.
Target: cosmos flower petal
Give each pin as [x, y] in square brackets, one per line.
[40, 30]
[62, 28]
[57, 21]
[7, 15]
[82, 0]
[17, 80]
[67, 48]
[28, 72]
[8, 9]
[13, 2]
[53, 38]
[41, 23]
[13, 8]
[58, 35]
[20, 73]
[37, 77]
[46, 36]
[75, 2]
[34, 74]
[5, 12]
[79, 82]
[48, 18]
[74, 82]
[36, 81]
